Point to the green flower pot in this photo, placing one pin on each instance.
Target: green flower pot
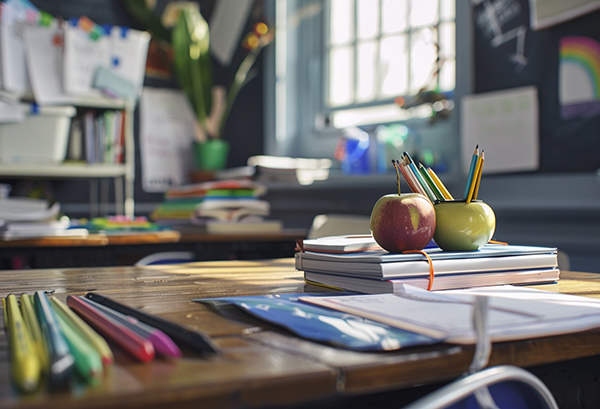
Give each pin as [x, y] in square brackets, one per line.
[211, 155]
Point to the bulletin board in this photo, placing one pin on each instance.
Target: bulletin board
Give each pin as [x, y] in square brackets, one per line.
[561, 60]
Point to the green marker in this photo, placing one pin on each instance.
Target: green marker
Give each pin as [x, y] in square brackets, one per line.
[87, 360]
[87, 332]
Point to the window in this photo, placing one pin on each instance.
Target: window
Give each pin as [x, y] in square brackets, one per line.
[342, 63]
[378, 50]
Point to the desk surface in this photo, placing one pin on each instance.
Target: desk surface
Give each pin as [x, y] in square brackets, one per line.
[259, 366]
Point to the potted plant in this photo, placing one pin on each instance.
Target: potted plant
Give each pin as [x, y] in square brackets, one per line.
[189, 39]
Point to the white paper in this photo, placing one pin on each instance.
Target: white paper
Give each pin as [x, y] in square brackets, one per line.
[227, 21]
[546, 13]
[82, 56]
[11, 112]
[44, 62]
[167, 125]
[505, 125]
[14, 68]
[130, 48]
[123, 52]
[513, 313]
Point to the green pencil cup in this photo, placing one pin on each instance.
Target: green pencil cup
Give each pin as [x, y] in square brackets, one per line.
[462, 226]
[210, 155]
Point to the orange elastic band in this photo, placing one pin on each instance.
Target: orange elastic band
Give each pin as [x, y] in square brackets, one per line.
[431, 273]
[497, 242]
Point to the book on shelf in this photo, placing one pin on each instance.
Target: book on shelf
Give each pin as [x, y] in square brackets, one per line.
[380, 271]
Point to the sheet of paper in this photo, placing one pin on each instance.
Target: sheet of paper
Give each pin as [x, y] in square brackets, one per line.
[128, 50]
[44, 61]
[505, 125]
[81, 57]
[15, 16]
[546, 13]
[167, 126]
[226, 24]
[512, 315]
[11, 112]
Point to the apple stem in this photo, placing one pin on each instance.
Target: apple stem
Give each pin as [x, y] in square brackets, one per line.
[396, 164]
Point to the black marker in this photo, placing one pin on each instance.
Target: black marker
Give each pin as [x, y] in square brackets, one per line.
[194, 340]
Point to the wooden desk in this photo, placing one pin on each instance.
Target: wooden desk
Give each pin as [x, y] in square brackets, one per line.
[260, 366]
[100, 250]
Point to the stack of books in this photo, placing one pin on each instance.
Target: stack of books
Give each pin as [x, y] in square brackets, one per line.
[357, 263]
[218, 207]
[23, 218]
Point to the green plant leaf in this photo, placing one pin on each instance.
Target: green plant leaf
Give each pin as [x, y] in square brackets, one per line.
[139, 11]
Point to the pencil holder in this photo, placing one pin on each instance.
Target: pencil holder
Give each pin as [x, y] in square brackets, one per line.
[462, 226]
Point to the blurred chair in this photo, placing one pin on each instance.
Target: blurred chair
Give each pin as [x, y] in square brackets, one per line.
[338, 224]
[166, 257]
[498, 387]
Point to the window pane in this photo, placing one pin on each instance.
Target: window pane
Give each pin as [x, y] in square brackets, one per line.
[423, 12]
[447, 9]
[341, 76]
[368, 18]
[394, 16]
[423, 57]
[366, 71]
[448, 75]
[394, 66]
[447, 39]
[341, 22]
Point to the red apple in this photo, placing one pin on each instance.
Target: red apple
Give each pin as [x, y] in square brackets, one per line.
[402, 222]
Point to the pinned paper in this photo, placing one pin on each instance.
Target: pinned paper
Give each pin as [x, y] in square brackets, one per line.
[506, 124]
[579, 76]
[167, 129]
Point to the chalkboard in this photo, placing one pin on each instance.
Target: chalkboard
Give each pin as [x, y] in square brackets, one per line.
[509, 54]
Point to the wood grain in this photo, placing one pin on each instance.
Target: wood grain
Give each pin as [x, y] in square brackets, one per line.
[260, 365]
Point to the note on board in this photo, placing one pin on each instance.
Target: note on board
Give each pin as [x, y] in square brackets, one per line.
[167, 129]
[505, 124]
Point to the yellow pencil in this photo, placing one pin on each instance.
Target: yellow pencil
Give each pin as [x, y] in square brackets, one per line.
[25, 365]
[35, 331]
[475, 178]
[478, 178]
[440, 184]
[91, 336]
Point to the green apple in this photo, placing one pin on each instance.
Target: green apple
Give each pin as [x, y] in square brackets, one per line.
[402, 222]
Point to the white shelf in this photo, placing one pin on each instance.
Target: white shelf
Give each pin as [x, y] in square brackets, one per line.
[70, 170]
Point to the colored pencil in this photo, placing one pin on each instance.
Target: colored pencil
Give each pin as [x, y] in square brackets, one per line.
[195, 340]
[87, 360]
[478, 182]
[440, 184]
[60, 359]
[474, 160]
[35, 330]
[92, 337]
[161, 342]
[25, 366]
[475, 178]
[431, 183]
[131, 342]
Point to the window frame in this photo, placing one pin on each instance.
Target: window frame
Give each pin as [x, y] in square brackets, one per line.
[306, 131]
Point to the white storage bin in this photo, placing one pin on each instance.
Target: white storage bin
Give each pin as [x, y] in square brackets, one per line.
[41, 138]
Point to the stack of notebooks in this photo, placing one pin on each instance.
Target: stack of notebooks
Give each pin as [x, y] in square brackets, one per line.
[218, 207]
[23, 218]
[357, 263]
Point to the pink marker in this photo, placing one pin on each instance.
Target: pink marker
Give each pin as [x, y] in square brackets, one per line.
[161, 341]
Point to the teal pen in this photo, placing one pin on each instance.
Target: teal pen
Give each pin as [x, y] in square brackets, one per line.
[474, 159]
[59, 356]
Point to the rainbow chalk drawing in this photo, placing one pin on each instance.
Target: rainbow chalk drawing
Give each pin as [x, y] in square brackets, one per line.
[579, 77]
